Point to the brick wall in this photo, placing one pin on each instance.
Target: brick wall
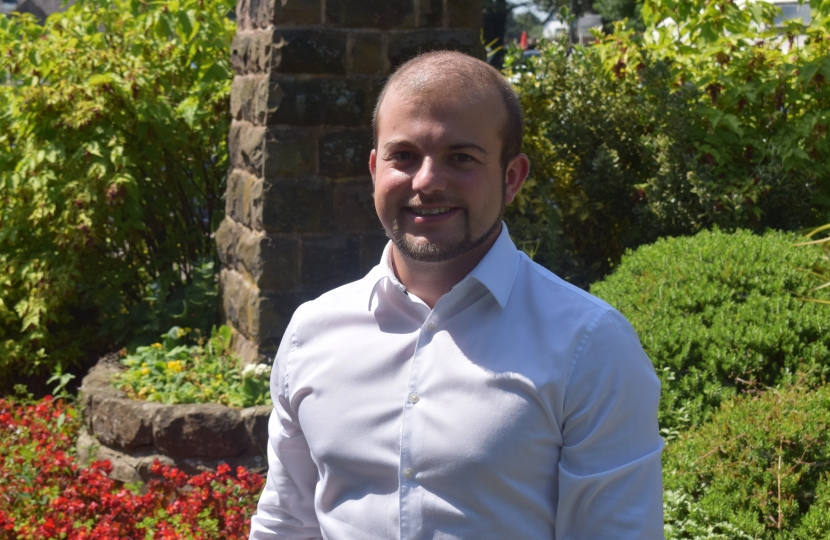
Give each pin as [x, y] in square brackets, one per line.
[299, 213]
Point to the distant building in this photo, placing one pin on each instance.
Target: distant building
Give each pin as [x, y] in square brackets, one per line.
[39, 8]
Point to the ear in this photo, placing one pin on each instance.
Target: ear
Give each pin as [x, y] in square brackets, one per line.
[517, 171]
[373, 164]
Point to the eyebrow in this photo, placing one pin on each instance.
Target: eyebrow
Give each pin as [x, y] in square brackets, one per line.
[456, 146]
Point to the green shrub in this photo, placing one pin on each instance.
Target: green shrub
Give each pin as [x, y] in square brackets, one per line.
[718, 309]
[706, 121]
[206, 372]
[112, 164]
[757, 469]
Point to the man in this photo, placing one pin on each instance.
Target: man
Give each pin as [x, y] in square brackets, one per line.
[459, 390]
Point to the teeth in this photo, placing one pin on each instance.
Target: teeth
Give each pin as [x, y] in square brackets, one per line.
[430, 211]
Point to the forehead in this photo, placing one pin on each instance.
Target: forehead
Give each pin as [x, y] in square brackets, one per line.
[456, 111]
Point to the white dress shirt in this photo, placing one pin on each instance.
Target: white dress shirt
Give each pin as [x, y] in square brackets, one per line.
[520, 407]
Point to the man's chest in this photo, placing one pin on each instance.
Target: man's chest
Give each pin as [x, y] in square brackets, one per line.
[441, 402]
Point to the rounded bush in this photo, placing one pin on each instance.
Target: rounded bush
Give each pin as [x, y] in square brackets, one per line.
[717, 311]
[757, 469]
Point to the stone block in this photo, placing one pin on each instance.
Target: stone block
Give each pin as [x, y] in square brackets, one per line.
[247, 350]
[243, 19]
[431, 13]
[233, 194]
[240, 52]
[256, 424]
[206, 430]
[296, 205]
[366, 53]
[288, 152]
[96, 387]
[297, 12]
[261, 12]
[124, 424]
[252, 51]
[345, 153]
[272, 263]
[249, 98]
[464, 14]
[246, 146]
[237, 297]
[371, 248]
[227, 239]
[371, 13]
[406, 45]
[354, 206]
[304, 101]
[241, 192]
[251, 201]
[311, 50]
[330, 261]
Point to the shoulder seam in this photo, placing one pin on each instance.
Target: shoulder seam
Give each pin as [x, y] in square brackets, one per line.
[580, 348]
[285, 389]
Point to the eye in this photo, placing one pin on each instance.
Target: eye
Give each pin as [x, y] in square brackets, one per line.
[463, 158]
[403, 155]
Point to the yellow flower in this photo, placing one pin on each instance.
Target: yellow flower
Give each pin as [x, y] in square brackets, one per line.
[156, 345]
[145, 371]
[207, 391]
[144, 364]
[175, 366]
[219, 376]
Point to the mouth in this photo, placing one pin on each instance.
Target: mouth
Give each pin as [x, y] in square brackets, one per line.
[429, 211]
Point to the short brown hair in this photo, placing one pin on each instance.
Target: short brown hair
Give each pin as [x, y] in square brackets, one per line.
[458, 71]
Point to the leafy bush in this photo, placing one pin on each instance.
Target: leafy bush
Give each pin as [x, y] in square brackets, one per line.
[44, 494]
[704, 119]
[174, 372]
[112, 166]
[716, 311]
[757, 469]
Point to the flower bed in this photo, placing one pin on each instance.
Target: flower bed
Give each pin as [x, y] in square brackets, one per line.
[45, 494]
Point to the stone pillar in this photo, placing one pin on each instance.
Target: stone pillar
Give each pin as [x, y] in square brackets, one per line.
[299, 213]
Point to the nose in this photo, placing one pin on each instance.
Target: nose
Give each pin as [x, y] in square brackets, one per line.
[429, 178]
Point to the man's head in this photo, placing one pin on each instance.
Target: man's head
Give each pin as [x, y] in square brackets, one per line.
[451, 71]
[447, 155]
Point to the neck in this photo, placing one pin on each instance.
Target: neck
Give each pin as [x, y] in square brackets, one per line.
[429, 281]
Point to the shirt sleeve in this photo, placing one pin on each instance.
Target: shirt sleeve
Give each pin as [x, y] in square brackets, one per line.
[286, 506]
[610, 483]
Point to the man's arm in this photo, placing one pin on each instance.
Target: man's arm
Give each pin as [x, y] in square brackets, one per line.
[610, 483]
[286, 506]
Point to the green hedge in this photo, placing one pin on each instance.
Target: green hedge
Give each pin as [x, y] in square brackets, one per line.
[718, 311]
[701, 120]
[112, 168]
[757, 470]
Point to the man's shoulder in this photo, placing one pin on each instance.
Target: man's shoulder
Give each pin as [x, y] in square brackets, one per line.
[553, 290]
[348, 297]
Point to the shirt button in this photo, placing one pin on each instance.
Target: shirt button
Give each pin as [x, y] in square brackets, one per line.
[431, 327]
[414, 397]
[409, 473]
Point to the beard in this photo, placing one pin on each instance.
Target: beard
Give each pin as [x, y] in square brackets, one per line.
[436, 252]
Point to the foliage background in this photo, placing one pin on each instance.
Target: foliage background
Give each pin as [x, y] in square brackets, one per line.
[718, 313]
[709, 117]
[113, 120]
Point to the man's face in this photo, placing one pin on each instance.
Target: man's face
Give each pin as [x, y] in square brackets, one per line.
[439, 184]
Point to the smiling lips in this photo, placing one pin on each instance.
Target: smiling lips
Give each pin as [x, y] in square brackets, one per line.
[430, 211]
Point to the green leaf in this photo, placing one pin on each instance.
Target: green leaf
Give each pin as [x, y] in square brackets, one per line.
[217, 71]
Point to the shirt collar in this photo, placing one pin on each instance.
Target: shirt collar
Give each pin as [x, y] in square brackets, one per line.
[496, 271]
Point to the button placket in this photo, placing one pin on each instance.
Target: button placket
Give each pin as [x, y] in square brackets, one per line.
[407, 471]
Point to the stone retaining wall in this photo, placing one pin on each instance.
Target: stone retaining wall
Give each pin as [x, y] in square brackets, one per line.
[194, 437]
